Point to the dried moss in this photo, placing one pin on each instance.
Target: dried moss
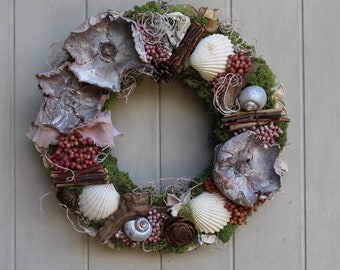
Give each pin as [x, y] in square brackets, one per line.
[149, 6]
[186, 212]
[282, 140]
[264, 78]
[120, 179]
[110, 102]
[226, 233]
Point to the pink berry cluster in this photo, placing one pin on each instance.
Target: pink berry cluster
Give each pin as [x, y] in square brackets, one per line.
[240, 213]
[238, 64]
[74, 152]
[156, 220]
[154, 50]
[267, 133]
[210, 186]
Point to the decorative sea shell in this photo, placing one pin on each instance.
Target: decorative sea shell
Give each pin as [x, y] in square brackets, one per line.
[139, 229]
[252, 98]
[208, 212]
[98, 201]
[211, 55]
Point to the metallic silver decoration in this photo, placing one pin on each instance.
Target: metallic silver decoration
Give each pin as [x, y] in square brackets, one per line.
[138, 229]
[252, 98]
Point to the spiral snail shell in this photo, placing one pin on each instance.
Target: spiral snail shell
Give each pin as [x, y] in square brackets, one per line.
[138, 229]
[252, 98]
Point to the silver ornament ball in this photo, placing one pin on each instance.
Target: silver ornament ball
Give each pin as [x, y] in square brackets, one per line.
[252, 98]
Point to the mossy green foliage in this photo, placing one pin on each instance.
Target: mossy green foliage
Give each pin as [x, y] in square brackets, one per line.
[282, 140]
[149, 6]
[189, 11]
[266, 79]
[159, 247]
[120, 179]
[171, 249]
[96, 223]
[110, 102]
[236, 38]
[186, 212]
[226, 233]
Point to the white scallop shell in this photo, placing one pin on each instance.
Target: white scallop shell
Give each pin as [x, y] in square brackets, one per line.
[98, 201]
[211, 55]
[209, 214]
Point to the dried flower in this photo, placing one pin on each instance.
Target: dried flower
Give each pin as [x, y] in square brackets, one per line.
[179, 231]
[69, 198]
[104, 48]
[245, 168]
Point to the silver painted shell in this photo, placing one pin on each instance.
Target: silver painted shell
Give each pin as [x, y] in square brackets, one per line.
[138, 229]
[252, 98]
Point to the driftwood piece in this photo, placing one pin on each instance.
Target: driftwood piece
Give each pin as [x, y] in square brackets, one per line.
[193, 36]
[233, 92]
[130, 207]
[95, 174]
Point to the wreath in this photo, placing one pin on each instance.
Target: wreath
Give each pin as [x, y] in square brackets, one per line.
[101, 61]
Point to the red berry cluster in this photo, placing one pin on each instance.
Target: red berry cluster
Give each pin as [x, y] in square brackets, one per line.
[238, 64]
[267, 133]
[154, 50]
[74, 152]
[157, 220]
[210, 186]
[240, 213]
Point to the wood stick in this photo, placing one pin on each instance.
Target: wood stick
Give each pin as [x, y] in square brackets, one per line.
[262, 122]
[272, 113]
[130, 207]
[193, 36]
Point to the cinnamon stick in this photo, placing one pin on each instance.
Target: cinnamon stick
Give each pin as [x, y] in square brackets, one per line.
[253, 115]
[95, 174]
[193, 36]
[256, 123]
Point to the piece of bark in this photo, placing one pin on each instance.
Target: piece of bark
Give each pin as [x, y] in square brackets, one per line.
[130, 207]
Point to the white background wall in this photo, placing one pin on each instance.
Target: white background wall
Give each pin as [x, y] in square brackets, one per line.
[299, 229]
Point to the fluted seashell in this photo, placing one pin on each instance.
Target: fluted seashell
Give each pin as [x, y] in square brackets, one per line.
[98, 201]
[208, 212]
[139, 229]
[211, 55]
[252, 98]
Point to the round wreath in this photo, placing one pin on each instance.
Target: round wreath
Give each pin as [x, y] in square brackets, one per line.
[101, 61]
